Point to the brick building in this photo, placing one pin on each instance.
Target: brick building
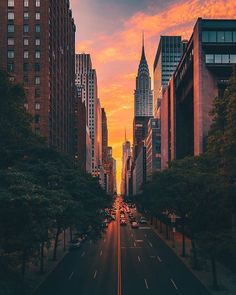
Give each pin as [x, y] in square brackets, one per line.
[37, 50]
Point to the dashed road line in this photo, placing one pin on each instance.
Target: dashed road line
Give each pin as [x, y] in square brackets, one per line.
[158, 257]
[139, 259]
[146, 284]
[135, 244]
[104, 240]
[82, 255]
[101, 253]
[150, 244]
[173, 283]
[95, 274]
[71, 275]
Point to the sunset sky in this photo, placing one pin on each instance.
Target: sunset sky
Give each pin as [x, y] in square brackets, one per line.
[111, 31]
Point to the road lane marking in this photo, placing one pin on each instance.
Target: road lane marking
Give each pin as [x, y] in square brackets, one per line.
[71, 275]
[158, 257]
[101, 253]
[104, 240]
[139, 259]
[95, 274]
[144, 227]
[134, 244]
[82, 255]
[173, 283]
[132, 235]
[138, 241]
[145, 235]
[146, 284]
[150, 244]
[119, 278]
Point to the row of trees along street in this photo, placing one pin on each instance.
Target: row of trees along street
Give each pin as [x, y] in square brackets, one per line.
[42, 193]
[201, 190]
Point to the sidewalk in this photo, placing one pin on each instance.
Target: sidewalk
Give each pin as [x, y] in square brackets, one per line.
[227, 280]
[33, 276]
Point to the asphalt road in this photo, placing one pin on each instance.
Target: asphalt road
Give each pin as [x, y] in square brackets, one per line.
[125, 261]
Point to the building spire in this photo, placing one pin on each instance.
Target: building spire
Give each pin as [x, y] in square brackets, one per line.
[143, 48]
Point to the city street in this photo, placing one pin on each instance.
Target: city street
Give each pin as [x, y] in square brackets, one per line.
[125, 261]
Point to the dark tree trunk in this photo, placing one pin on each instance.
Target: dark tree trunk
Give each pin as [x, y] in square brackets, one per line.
[23, 264]
[195, 258]
[42, 258]
[183, 241]
[56, 244]
[214, 273]
[71, 234]
[64, 240]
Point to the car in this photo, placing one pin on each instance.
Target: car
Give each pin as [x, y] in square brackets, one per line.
[122, 215]
[143, 220]
[113, 217]
[123, 222]
[74, 245]
[134, 224]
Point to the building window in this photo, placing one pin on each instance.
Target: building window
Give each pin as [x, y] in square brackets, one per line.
[37, 106]
[26, 79]
[228, 37]
[212, 36]
[37, 54]
[10, 67]
[37, 3]
[26, 54]
[37, 28]
[37, 92]
[220, 37]
[233, 58]
[26, 28]
[10, 28]
[26, 106]
[209, 58]
[26, 3]
[10, 41]
[37, 41]
[37, 15]
[225, 58]
[25, 67]
[37, 67]
[10, 3]
[26, 15]
[37, 80]
[218, 59]
[10, 16]
[37, 131]
[37, 119]
[10, 54]
[26, 41]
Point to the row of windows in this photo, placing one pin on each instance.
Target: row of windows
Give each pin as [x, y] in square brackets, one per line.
[11, 15]
[11, 41]
[220, 58]
[11, 54]
[26, 67]
[11, 3]
[11, 28]
[36, 106]
[219, 37]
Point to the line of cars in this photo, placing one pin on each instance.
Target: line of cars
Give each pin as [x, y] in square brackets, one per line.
[129, 209]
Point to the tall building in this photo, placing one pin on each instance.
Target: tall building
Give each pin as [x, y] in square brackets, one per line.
[143, 96]
[153, 147]
[143, 103]
[86, 79]
[201, 75]
[169, 52]
[37, 49]
[139, 172]
[126, 154]
[104, 136]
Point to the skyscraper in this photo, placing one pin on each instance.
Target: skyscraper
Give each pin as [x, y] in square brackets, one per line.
[86, 79]
[143, 102]
[37, 49]
[169, 52]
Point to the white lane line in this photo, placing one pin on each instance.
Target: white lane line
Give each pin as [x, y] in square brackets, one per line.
[146, 284]
[104, 240]
[139, 259]
[145, 235]
[101, 253]
[95, 274]
[138, 241]
[71, 275]
[173, 283]
[82, 255]
[150, 244]
[158, 257]
[132, 235]
[134, 244]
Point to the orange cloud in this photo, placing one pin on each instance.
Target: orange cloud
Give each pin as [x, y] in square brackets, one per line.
[116, 57]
